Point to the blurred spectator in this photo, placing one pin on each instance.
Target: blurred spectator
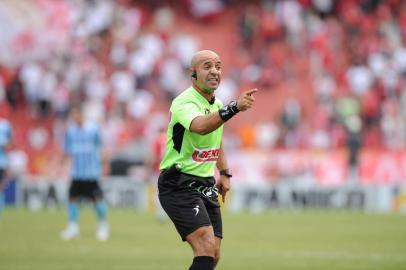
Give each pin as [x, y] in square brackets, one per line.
[270, 27]
[123, 87]
[291, 123]
[31, 75]
[291, 115]
[14, 92]
[60, 100]
[359, 79]
[140, 105]
[370, 108]
[347, 106]
[290, 16]
[323, 7]
[205, 10]
[48, 87]
[183, 47]
[390, 122]
[267, 135]
[248, 26]
[171, 76]
[354, 127]
[18, 162]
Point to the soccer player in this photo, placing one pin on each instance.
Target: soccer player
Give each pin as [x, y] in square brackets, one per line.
[5, 140]
[187, 189]
[83, 144]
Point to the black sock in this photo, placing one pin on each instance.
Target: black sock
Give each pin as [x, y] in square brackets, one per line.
[202, 263]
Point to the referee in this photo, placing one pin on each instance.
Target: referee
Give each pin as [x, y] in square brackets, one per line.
[187, 189]
[83, 145]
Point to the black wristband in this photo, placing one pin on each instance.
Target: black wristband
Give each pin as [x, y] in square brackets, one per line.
[226, 172]
[228, 111]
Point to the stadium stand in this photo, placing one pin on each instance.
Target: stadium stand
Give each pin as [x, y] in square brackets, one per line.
[331, 74]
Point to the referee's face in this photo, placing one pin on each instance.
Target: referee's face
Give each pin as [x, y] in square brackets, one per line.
[208, 73]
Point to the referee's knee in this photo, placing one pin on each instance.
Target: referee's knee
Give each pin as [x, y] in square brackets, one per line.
[202, 241]
[209, 244]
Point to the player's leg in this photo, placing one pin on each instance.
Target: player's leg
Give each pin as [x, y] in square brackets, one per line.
[2, 187]
[216, 220]
[101, 210]
[73, 210]
[72, 229]
[103, 229]
[2, 198]
[202, 241]
[100, 206]
[217, 245]
[203, 244]
[189, 215]
[187, 211]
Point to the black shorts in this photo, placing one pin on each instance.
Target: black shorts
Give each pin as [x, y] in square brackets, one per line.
[88, 188]
[2, 175]
[191, 202]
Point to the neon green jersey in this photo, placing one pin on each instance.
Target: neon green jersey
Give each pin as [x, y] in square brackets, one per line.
[196, 154]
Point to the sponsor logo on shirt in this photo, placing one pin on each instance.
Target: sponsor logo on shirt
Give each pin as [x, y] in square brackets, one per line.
[205, 155]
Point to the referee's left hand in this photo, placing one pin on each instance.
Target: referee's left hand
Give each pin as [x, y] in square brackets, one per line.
[223, 186]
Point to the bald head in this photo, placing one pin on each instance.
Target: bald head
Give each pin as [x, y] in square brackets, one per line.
[205, 71]
[203, 55]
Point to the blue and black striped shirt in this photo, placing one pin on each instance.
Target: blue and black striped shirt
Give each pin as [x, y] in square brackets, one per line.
[5, 138]
[83, 144]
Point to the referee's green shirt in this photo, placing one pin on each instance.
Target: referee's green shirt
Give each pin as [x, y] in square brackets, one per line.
[197, 154]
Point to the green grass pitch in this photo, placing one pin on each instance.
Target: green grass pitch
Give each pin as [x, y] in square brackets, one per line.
[276, 240]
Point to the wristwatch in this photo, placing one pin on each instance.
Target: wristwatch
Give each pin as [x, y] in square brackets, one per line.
[226, 172]
[233, 106]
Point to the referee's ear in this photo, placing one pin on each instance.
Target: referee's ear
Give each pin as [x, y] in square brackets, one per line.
[193, 73]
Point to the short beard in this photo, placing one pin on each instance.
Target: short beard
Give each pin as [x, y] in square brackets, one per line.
[208, 90]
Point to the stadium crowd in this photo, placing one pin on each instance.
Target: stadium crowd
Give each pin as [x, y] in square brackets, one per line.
[356, 66]
[125, 60]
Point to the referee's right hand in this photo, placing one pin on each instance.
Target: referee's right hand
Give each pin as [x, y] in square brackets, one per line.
[223, 186]
[246, 100]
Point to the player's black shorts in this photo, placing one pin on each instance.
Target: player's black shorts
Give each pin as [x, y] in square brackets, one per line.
[191, 202]
[2, 175]
[85, 188]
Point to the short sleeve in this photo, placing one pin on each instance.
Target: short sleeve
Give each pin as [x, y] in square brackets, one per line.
[184, 112]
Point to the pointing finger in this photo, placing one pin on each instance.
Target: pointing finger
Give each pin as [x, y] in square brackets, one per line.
[249, 98]
[251, 92]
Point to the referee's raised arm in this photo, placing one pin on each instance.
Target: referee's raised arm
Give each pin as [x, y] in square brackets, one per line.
[207, 123]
